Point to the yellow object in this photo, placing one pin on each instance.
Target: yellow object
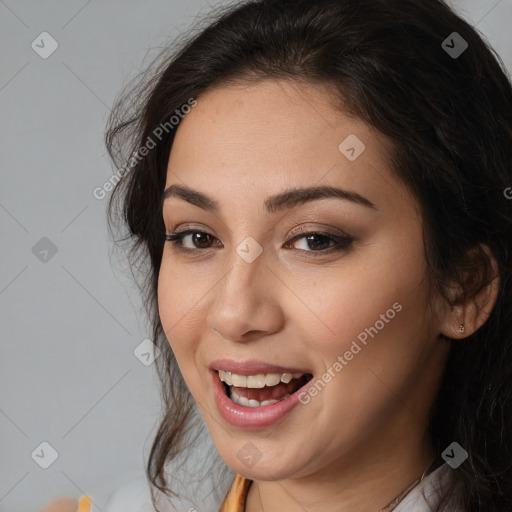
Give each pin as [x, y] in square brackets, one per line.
[84, 504]
[237, 495]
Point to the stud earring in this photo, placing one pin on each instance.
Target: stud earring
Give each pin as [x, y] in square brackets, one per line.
[461, 328]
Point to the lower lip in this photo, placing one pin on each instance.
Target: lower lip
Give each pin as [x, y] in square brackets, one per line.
[252, 418]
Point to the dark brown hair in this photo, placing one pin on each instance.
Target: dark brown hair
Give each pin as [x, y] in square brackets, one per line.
[449, 122]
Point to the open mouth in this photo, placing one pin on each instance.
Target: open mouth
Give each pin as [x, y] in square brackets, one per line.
[262, 389]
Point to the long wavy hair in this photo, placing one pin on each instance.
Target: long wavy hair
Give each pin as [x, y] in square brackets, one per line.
[448, 119]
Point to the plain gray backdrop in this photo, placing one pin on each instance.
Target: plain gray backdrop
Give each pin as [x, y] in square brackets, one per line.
[71, 316]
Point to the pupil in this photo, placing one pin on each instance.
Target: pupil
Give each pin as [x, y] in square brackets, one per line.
[321, 237]
[198, 236]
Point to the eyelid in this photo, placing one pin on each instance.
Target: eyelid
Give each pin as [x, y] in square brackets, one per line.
[323, 230]
[303, 229]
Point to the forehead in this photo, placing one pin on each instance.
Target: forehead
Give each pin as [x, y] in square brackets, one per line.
[270, 121]
[272, 134]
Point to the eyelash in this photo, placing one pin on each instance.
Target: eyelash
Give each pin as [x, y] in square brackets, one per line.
[341, 242]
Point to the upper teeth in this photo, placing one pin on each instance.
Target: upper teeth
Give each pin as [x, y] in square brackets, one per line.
[257, 381]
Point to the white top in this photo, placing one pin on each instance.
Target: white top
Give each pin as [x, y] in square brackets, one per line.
[424, 496]
[136, 497]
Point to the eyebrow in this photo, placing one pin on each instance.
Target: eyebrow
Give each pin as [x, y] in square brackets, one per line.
[284, 200]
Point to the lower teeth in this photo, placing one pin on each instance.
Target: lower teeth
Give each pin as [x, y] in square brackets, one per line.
[242, 400]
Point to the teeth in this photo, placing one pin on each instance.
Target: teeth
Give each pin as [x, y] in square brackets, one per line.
[268, 402]
[242, 400]
[271, 379]
[226, 377]
[256, 381]
[240, 381]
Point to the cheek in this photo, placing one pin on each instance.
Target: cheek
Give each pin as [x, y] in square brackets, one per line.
[180, 297]
[381, 356]
[381, 303]
[177, 306]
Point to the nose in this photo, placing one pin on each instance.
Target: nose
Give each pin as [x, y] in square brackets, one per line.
[246, 303]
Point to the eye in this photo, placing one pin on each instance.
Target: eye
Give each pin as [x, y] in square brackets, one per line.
[313, 241]
[319, 242]
[201, 238]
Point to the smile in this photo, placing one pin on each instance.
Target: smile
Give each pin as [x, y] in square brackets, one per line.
[261, 389]
[254, 394]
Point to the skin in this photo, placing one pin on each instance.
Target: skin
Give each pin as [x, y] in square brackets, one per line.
[363, 438]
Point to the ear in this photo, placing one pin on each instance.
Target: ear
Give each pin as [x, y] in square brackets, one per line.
[472, 312]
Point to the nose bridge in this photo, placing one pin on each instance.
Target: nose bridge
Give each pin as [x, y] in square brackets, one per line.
[243, 300]
[247, 269]
[244, 281]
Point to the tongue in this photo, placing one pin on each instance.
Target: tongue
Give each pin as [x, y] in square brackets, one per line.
[276, 392]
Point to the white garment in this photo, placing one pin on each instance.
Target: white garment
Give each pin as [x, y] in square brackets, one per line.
[135, 496]
[424, 496]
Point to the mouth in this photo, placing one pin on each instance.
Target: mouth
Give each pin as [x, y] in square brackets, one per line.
[262, 389]
[254, 394]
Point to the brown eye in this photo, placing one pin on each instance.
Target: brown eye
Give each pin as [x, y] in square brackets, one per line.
[197, 239]
[318, 241]
[201, 240]
[321, 242]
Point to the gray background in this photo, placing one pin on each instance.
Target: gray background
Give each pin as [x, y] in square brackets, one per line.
[70, 324]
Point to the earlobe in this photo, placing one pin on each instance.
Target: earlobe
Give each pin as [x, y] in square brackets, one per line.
[466, 317]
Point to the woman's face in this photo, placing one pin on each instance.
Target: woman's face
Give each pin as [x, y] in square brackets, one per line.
[328, 285]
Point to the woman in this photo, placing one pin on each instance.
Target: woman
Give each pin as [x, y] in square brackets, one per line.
[320, 188]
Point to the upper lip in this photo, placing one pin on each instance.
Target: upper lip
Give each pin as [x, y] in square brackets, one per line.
[252, 367]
